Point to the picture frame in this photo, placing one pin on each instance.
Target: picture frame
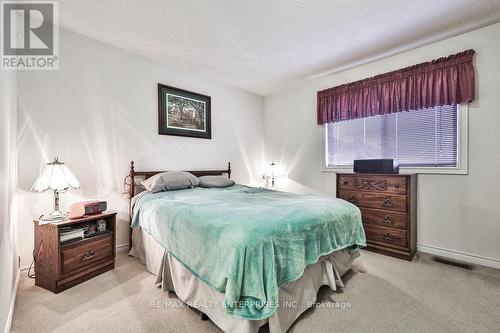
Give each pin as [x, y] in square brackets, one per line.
[183, 113]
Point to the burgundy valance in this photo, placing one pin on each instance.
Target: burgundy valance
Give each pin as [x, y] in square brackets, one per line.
[445, 81]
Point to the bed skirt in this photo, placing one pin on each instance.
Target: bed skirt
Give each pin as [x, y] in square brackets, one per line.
[294, 297]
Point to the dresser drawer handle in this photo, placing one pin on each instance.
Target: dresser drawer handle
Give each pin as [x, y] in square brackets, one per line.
[352, 199]
[396, 185]
[388, 220]
[388, 203]
[89, 255]
[346, 182]
[388, 237]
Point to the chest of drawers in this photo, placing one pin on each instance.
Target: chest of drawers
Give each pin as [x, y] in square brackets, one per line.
[388, 205]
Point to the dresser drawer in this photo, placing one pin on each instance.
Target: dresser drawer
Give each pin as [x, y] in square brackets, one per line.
[383, 184]
[375, 200]
[385, 235]
[384, 218]
[78, 255]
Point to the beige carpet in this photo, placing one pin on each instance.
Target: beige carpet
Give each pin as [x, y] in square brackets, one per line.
[384, 295]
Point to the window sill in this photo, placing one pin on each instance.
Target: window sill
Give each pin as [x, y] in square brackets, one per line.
[430, 171]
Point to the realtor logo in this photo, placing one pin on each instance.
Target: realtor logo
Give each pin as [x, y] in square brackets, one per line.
[30, 35]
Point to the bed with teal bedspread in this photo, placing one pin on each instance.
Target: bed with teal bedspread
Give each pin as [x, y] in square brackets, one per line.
[247, 242]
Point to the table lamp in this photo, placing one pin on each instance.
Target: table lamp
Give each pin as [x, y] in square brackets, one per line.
[272, 174]
[56, 177]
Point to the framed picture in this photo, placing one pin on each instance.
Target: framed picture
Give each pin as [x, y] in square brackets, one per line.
[183, 113]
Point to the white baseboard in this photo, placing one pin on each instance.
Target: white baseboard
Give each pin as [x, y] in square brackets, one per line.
[8, 324]
[122, 248]
[458, 255]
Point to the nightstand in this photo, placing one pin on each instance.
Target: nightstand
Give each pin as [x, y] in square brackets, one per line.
[59, 266]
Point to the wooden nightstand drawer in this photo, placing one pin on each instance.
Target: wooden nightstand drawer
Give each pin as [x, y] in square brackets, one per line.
[89, 251]
[383, 184]
[375, 200]
[385, 235]
[384, 218]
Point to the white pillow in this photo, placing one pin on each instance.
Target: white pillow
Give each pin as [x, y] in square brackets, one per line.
[170, 180]
[215, 181]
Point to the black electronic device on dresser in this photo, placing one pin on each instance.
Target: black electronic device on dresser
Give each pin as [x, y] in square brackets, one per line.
[384, 166]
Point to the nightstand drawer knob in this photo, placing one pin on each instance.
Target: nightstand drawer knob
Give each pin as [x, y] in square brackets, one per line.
[89, 255]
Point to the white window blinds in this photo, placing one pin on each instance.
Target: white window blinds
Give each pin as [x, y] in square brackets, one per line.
[419, 138]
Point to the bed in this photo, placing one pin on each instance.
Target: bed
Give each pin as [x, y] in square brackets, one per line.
[244, 256]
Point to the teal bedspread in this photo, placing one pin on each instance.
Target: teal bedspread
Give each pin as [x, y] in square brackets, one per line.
[246, 242]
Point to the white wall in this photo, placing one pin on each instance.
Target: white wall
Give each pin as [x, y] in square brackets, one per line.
[99, 111]
[8, 187]
[457, 213]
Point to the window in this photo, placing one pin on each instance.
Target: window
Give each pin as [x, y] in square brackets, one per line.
[429, 139]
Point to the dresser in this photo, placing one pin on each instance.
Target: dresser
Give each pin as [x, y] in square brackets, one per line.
[62, 265]
[388, 204]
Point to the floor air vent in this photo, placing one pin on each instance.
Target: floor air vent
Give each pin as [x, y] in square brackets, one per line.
[452, 263]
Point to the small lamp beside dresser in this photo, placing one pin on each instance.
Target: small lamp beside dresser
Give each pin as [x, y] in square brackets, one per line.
[58, 178]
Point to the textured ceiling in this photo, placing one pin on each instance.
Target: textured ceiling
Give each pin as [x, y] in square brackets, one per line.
[265, 45]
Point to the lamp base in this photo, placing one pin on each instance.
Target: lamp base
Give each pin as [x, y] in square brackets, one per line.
[55, 216]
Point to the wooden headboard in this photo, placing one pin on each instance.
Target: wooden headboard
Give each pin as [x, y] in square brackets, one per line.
[130, 182]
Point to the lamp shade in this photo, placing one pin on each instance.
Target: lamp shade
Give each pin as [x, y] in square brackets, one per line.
[55, 176]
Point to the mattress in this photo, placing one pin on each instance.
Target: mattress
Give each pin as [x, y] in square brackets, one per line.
[294, 297]
[247, 242]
